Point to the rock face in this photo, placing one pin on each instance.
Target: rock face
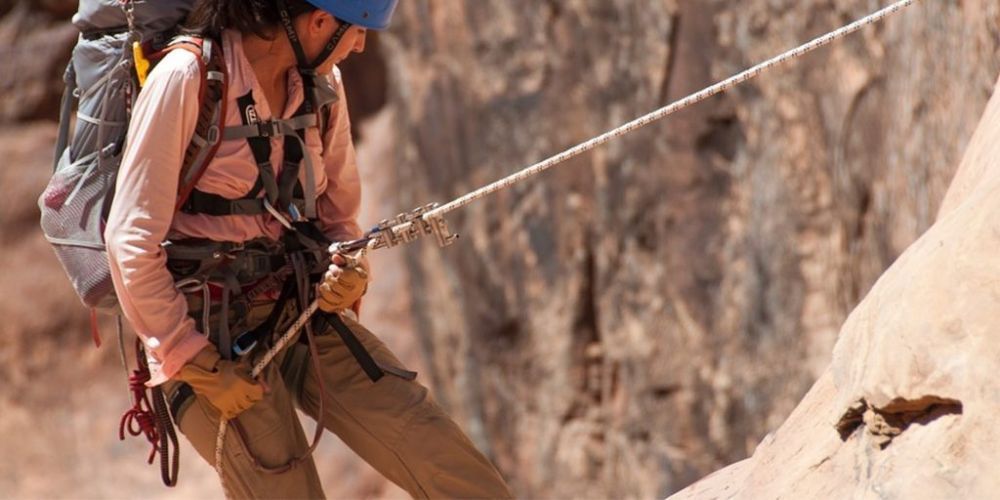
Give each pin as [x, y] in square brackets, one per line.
[35, 44]
[643, 315]
[908, 407]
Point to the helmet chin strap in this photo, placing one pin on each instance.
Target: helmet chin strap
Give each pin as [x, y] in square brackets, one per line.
[306, 68]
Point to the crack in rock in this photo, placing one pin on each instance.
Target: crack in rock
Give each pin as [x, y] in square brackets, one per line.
[891, 420]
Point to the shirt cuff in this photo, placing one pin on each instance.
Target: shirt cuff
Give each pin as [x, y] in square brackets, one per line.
[172, 362]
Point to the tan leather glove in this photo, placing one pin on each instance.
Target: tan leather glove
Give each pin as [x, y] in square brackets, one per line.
[225, 384]
[342, 285]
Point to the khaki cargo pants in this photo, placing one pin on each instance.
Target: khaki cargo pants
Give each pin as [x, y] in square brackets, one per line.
[393, 424]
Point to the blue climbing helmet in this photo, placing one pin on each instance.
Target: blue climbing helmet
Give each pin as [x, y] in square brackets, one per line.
[370, 14]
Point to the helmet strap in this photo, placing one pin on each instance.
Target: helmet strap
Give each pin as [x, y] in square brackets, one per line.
[293, 36]
[300, 55]
[333, 43]
[306, 69]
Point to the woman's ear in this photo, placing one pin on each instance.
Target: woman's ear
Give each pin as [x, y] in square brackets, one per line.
[321, 22]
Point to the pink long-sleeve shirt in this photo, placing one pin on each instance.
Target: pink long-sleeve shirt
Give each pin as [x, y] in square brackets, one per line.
[142, 213]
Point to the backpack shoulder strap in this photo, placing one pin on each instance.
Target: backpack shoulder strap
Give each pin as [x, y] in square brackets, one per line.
[212, 96]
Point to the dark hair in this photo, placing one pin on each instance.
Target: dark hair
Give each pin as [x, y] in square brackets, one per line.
[260, 17]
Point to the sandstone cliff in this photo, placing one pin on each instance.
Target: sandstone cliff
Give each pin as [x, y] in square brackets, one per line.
[908, 407]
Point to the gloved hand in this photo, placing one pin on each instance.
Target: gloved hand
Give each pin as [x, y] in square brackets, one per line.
[342, 285]
[227, 385]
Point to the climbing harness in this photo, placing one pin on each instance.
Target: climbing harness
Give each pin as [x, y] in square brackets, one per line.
[429, 219]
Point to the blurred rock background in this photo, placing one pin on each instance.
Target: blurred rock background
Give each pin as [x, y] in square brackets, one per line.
[617, 328]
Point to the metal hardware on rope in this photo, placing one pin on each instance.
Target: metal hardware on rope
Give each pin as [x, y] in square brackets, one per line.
[429, 219]
[406, 227]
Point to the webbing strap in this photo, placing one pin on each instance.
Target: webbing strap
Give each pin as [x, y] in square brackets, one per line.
[99, 121]
[310, 182]
[179, 400]
[271, 128]
[65, 112]
[290, 172]
[267, 327]
[230, 288]
[213, 95]
[365, 359]
[260, 146]
[295, 157]
[293, 36]
[332, 44]
[284, 191]
[204, 203]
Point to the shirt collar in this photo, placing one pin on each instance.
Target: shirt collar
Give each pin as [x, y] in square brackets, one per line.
[243, 79]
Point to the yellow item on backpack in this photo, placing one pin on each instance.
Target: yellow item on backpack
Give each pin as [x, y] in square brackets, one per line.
[141, 63]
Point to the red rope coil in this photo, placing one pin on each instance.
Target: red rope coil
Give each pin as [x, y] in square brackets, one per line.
[140, 419]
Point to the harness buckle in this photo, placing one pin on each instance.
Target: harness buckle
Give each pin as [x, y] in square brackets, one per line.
[234, 250]
[269, 128]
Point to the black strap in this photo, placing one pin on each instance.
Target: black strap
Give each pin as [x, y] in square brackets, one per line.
[169, 468]
[260, 146]
[230, 288]
[293, 36]
[333, 43]
[179, 399]
[200, 202]
[289, 178]
[300, 55]
[368, 364]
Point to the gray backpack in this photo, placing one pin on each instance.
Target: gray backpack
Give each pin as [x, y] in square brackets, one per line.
[101, 83]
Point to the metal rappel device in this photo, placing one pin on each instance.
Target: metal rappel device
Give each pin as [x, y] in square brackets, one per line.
[406, 227]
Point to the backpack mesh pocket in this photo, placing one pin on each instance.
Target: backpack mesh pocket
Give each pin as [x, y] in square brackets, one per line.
[73, 208]
[75, 203]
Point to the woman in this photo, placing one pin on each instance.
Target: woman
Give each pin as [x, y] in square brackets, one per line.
[283, 183]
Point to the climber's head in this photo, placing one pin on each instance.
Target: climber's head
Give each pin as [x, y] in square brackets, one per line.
[320, 32]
